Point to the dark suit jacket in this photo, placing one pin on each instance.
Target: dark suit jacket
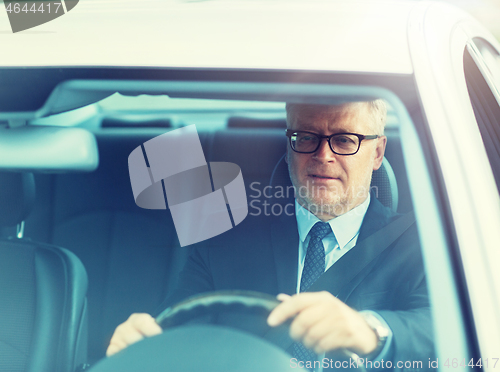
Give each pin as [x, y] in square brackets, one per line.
[261, 254]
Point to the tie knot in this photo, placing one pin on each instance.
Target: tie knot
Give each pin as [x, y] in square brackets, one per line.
[320, 230]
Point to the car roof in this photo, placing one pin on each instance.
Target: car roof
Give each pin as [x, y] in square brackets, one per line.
[353, 36]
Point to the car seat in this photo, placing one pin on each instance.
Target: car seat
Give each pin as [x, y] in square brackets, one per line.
[43, 306]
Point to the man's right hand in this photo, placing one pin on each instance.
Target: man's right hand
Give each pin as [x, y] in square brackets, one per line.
[135, 328]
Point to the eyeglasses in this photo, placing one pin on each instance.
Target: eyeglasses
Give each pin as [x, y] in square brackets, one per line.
[306, 142]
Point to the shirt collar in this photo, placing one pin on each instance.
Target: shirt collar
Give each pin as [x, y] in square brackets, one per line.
[345, 227]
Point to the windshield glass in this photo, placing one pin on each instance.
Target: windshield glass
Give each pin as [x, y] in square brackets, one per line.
[196, 195]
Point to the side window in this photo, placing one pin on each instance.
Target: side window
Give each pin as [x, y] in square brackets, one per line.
[482, 74]
[491, 58]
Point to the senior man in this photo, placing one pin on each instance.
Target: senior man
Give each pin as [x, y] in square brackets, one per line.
[383, 311]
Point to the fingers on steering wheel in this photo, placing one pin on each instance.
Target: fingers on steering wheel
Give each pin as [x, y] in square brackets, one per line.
[145, 324]
[113, 349]
[316, 336]
[134, 329]
[115, 345]
[305, 320]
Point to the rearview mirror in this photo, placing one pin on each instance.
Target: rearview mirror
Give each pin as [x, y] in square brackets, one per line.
[48, 149]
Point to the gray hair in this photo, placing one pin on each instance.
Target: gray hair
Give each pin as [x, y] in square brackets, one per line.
[377, 107]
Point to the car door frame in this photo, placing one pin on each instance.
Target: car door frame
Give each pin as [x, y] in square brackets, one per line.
[465, 290]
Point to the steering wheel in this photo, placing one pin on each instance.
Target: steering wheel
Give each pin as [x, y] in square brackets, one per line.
[210, 348]
[237, 301]
[214, 302]
[203, 347]
[248, 302]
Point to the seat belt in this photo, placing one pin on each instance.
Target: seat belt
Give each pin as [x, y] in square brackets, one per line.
[350, 268]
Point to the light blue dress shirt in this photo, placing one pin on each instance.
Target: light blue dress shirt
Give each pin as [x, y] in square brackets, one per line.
[345, 232]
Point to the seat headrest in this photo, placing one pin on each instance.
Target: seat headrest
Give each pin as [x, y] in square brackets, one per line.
[17, 196]
[383, 186]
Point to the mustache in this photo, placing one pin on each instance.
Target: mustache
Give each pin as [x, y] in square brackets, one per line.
[322, 173]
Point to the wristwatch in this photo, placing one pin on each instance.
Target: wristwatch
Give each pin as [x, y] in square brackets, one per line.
[380, 330]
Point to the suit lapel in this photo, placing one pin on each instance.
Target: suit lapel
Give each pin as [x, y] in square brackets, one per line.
[377, 216]
[285, 245]
[285, 242]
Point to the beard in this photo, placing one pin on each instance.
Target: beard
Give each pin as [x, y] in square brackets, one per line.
[331, 201]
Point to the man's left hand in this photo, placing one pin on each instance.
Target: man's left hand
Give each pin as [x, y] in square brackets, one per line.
[323, 323]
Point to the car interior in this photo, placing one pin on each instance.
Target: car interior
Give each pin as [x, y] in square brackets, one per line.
[132, 256]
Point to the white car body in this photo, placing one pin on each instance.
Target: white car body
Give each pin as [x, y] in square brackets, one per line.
[457, 199]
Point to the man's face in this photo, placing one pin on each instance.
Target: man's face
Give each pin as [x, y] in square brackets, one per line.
[325, 183]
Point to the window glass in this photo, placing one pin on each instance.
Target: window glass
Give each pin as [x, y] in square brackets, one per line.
[491, 59]
[480, 75]
[102, 208]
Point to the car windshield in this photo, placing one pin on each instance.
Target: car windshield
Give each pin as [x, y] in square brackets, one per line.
[134, 244]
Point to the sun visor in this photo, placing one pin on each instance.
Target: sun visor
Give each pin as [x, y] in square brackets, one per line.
[29, 93]
[48, 149]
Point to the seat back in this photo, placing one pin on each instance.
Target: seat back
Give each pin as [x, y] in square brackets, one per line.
[43, 312]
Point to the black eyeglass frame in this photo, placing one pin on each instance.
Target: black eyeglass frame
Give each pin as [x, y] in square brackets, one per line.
[361, 137]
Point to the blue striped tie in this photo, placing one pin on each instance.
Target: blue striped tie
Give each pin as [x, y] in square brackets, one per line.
[314, 267]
